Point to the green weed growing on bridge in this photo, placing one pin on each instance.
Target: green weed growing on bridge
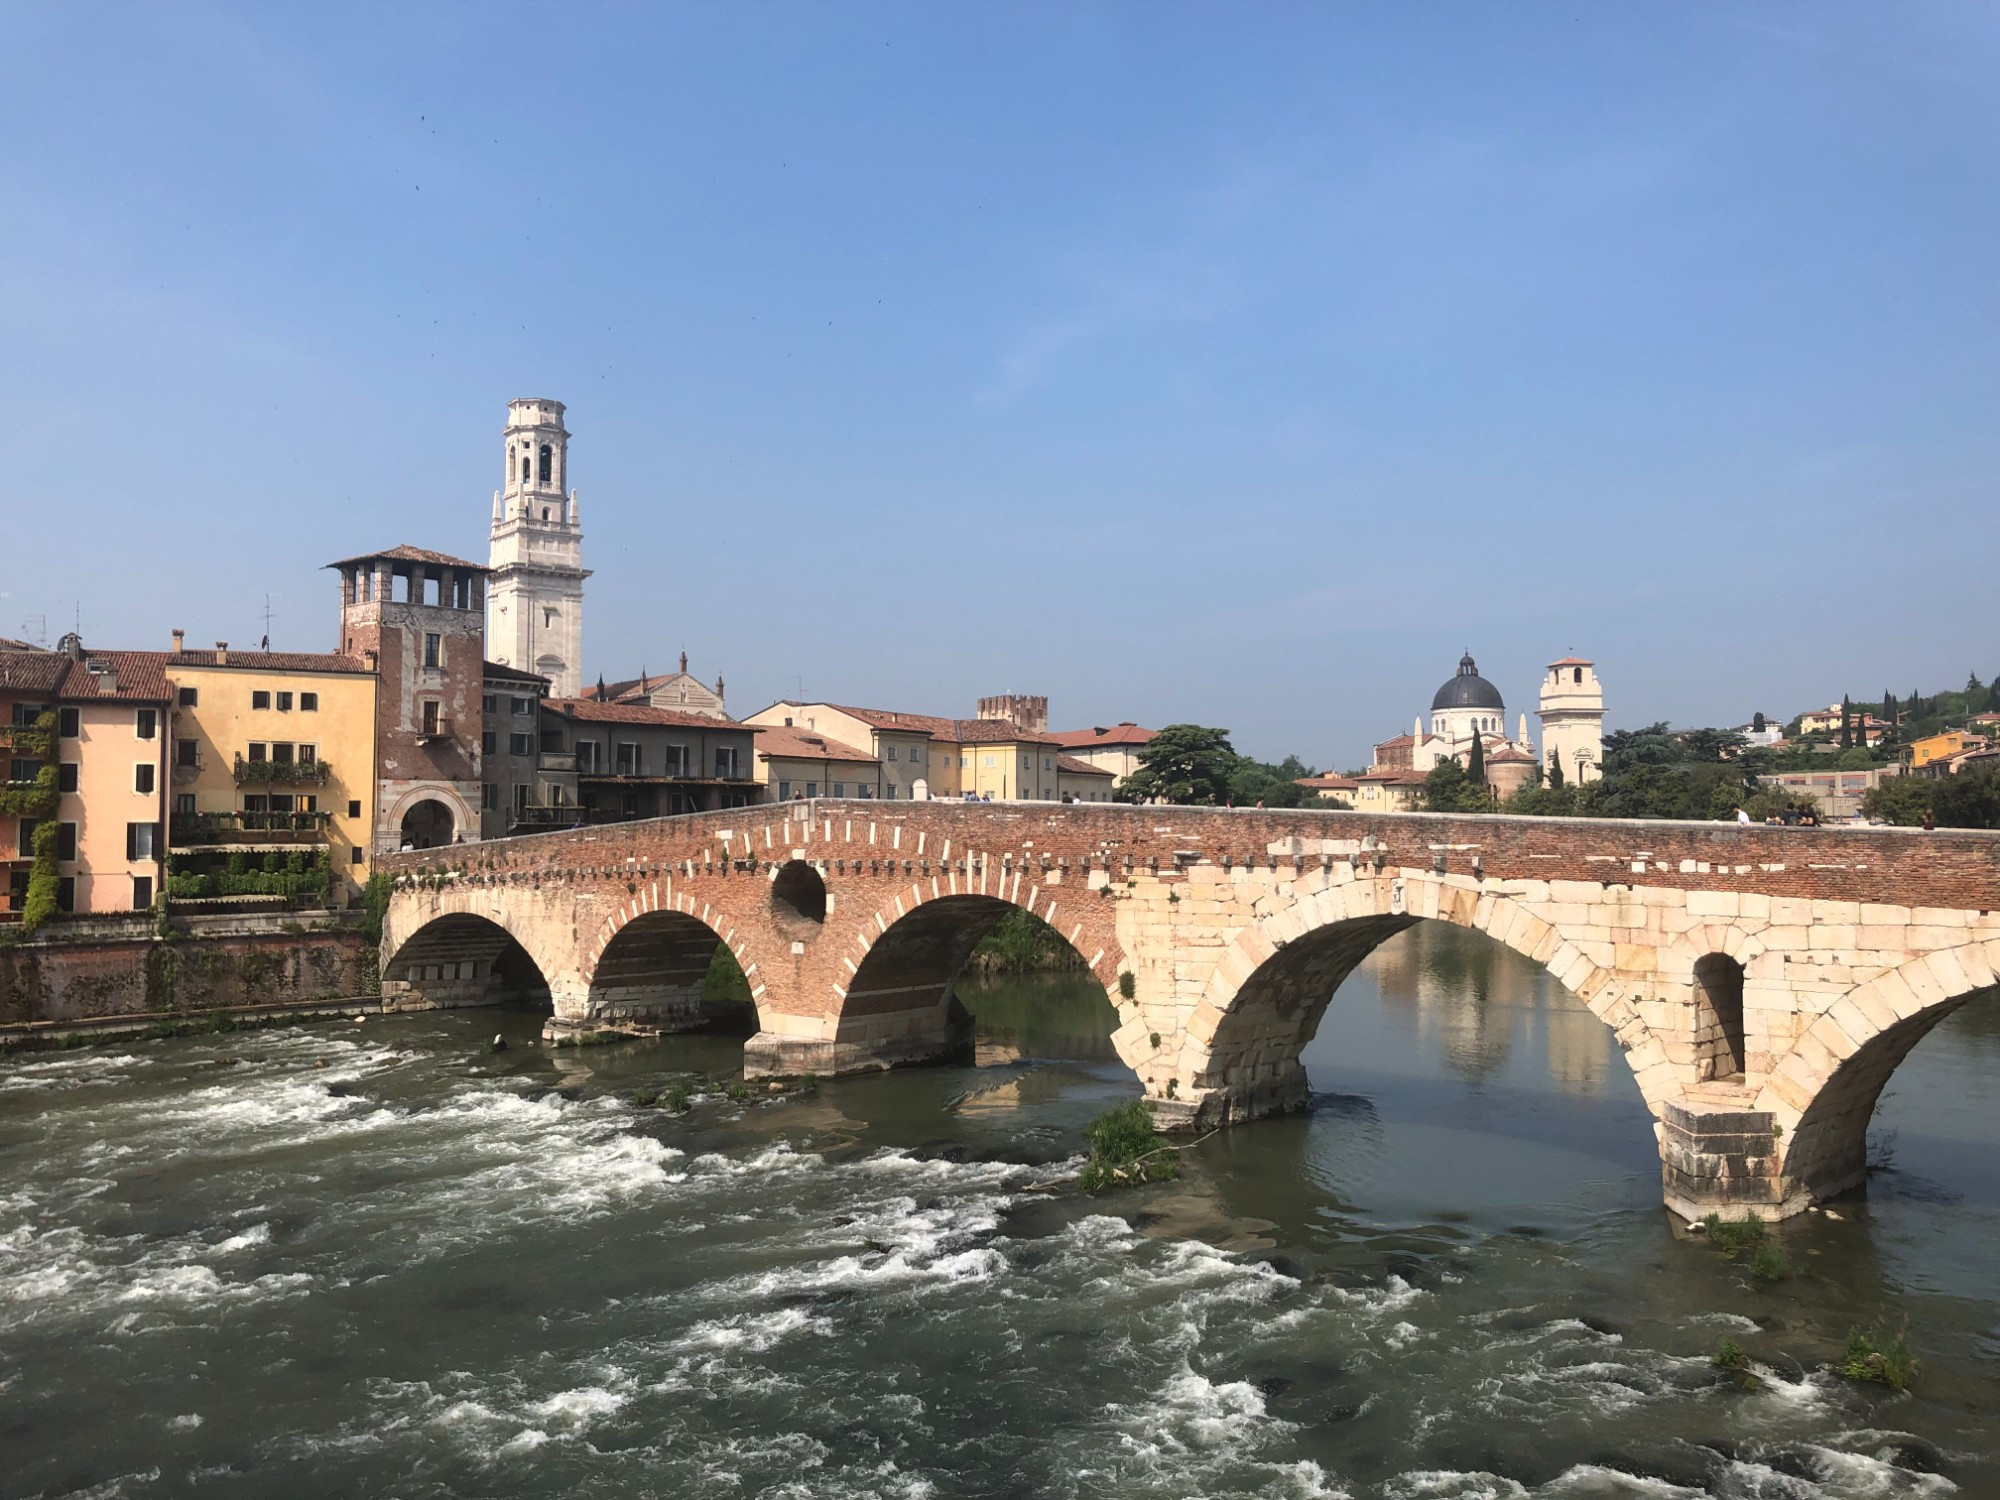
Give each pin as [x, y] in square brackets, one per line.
[1125, 1150]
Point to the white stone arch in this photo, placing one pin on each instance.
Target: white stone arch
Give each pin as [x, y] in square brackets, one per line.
[1823, 1091]
[465, 819]
[414, 910]
[1376, 907]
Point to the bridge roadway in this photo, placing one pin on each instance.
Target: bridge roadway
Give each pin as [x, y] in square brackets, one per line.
[1763, 982]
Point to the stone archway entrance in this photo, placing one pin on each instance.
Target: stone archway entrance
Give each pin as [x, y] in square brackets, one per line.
[428, 825]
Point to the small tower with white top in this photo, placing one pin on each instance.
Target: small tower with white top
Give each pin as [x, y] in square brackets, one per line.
[1572, 715]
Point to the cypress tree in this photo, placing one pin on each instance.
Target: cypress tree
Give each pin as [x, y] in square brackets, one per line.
[1475, 763]
[1555, 773]
[1846, 726]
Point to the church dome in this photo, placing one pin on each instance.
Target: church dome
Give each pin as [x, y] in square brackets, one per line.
[1467, 690]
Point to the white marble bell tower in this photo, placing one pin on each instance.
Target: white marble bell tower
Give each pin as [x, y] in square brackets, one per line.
[535, 597]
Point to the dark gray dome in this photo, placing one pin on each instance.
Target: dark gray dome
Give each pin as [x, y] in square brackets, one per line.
[1467, 690]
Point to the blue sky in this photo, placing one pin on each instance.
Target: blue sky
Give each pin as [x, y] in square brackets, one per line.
[1240, 364]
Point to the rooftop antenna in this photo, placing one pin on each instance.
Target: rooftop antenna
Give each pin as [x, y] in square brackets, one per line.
[267, 623]
[36, 629]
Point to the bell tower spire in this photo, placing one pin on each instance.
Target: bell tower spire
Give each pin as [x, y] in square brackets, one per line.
[536, 596]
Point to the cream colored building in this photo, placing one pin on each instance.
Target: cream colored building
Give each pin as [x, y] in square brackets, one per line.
[1080, 781]
[681, 692]
[1572, 715]
[1110, 747]
[923, 755]
[1331, 786]
[796, 763]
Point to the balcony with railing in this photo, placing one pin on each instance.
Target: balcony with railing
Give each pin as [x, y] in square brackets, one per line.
[282, 772]
[560, 761]
[35, 740]
[225, 830]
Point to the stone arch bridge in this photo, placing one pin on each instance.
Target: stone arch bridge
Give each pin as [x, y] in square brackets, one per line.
[1762, 982]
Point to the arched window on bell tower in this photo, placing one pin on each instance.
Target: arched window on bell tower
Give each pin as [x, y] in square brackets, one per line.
[524, 468]
[548, 463]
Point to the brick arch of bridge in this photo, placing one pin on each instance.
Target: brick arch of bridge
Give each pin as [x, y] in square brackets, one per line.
[1823, 1092]
[647, 960]
[428, 944]
[892, 1001]
[1239, 1056]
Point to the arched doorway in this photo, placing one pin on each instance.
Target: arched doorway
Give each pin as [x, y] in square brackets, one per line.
[427, 825]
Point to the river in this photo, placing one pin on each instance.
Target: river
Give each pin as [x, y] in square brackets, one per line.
[377, 1259]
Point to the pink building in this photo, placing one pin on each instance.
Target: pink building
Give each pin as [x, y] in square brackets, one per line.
[111, 736]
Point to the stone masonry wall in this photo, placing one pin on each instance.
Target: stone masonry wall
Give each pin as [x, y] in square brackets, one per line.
[77, 970]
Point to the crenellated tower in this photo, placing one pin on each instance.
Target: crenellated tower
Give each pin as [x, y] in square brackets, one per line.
[536, 596]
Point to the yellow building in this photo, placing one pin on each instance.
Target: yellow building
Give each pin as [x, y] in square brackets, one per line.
[1942, 747]
[272, 754]
[1388, 791]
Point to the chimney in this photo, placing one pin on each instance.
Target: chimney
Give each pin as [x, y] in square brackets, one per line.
[684, 663]
[180, 641]
[372, 660]
[222, 653]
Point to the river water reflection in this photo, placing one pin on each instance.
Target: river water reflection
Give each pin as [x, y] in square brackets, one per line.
[375, 1259]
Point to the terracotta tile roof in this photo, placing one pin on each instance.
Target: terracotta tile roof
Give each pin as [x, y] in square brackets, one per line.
[1329, 781]
[1509, 756]
[8, 643]
[1572, 661]
[265, 661]
[995, 732]
[1070, 765]
[140, 678]
[1397, 743]
[1124, 732]
[407, 553]
[38, 672]
[956, 731]
[590, 711]
[804, 744]
[1393, 778]
[882, 718]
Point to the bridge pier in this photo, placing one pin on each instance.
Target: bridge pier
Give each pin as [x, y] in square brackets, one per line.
[941, 1033]
[1722, 1158]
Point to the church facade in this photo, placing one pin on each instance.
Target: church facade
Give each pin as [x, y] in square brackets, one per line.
[1468, 708]
[535, 596]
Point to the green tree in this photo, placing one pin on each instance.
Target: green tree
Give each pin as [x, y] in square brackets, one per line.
[1450, 789]
[1475, 763]
[1187, 764]
[1556, 774]
[1902, 800]
[1971, 799]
